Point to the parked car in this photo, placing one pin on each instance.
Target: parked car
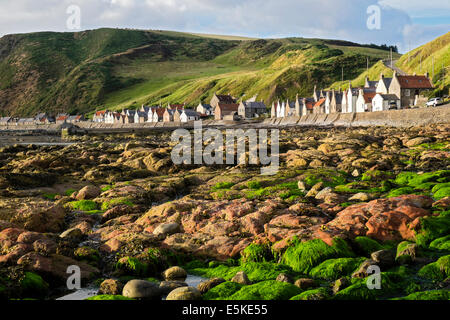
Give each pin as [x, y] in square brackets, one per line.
[434, 102]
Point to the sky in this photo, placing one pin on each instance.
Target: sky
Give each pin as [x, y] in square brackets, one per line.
[405, 23]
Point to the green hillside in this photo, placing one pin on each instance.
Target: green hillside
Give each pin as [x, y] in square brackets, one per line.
[420, 61]
[417, 61]
[114, 68]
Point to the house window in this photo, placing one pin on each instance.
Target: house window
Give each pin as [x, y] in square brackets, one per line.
[407, 93]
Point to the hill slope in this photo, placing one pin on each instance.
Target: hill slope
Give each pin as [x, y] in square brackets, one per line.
[419, 61]
[113, 68]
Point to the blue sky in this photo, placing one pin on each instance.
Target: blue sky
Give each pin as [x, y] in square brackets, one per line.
[405, 23]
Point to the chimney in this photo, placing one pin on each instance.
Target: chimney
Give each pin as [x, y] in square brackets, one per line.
[427, 75]
[382, 76]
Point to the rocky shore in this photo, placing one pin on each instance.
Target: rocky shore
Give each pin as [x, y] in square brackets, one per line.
[136, 224]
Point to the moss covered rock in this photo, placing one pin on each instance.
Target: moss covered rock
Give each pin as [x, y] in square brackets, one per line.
[333, 269]
[367, 245]
[316, 294]
[438, 270]
[256, 253]
[266, 290]
[427, 295]
[33, 285]
[442, 243]
[303, 256]
[222, 291]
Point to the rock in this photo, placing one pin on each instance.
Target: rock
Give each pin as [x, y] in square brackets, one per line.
[175, 273]
[325, 148]
[111, 287]
[356, 173]
[305, 283]
[361, 273]
[167, 229]
[282, 277]
[406, 252]
[241, 278]
[340, 284]
[383, 258]
[141, 289]
[168, 286]
[184, 293]
[207, 285]
[40, 217]
[45, 246]
[362, 196]
[88, 193]
[324, 193]
[116, 212]
[417, 141]
[55, 265]
[314, 190]
[73, 233]
[302, 186]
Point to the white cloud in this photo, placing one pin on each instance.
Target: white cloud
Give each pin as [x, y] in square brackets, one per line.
[338, 19]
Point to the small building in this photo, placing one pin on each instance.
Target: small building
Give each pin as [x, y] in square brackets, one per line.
[221, 99]
[224, 109]
[364, 101]
[336, 101]
[189, 115]
[249, 110]
[383, 102]
[99, 116]
[410, 89]
[5, 121]
[319, 106]
[205, 109]
[158, 114]
[26, 121]
[43, 118]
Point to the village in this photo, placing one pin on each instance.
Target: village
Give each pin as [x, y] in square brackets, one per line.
[398, 92]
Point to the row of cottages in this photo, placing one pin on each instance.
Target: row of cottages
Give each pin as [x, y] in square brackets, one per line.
[225, 107]
[398, 92]
[297, 108]
[42, 118]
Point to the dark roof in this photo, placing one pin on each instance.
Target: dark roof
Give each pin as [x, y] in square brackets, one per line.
[255, 105]
[389, 97]
[228, 107]
[191, 113]
[226, 99]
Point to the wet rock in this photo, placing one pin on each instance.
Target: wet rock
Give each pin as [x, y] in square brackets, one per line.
[361, 196]
[88, 193]
[383, 258]
[362, 273]
[40, 217]
[417, 141]
[141, 289]
[314, 190]
[184, 293]
[340, 284]
[302, 186]
[175, 273]
[73, 234]
[241, 278]
[207, 285]
[166, 229]
[111, 287]
[168, 286]
[282, 277]
[305, 283]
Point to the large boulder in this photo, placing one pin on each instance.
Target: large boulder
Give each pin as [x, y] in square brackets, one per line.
[141, 289]
[175, 273]
[184, 293]
[88, 192]
[40, 217]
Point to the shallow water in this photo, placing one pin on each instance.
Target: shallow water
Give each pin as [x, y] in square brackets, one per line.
[84, 293]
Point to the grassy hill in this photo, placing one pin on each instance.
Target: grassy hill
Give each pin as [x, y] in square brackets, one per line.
[417, 61]
[420, 61]
[114, 68]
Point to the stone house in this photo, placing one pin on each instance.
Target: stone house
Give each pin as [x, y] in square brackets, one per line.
[221, 99]
[5, 121]
[224, 109]
[383, 85]
[75, 119]
[410, 89]
[249, 110]
[61, 118]
[158, 114]
[99, 116]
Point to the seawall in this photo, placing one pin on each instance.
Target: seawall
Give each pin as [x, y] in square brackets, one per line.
[393, 118]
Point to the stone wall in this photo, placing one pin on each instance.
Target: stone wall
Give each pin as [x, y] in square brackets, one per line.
[394, 118]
